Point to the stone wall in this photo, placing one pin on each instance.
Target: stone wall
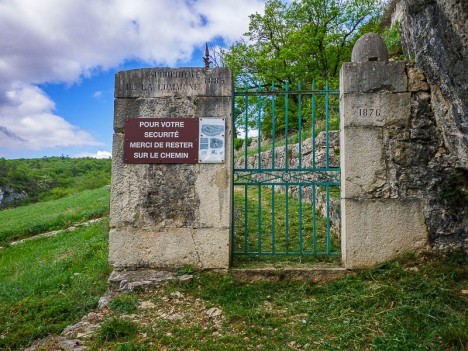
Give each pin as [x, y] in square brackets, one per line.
[400, 178]
[381, 218]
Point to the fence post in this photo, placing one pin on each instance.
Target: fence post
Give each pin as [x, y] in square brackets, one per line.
[378, 223]
[170, 208]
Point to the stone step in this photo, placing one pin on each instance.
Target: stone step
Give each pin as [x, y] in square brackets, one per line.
[315, 275]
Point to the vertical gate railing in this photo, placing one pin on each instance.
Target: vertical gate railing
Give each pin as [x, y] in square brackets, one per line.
[286, 187]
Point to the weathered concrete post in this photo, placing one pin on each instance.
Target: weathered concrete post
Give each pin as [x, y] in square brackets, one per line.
[378, 223]
[172, 168]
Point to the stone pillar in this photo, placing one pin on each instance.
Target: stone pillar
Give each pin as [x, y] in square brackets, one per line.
[171, 215]
[378, 222]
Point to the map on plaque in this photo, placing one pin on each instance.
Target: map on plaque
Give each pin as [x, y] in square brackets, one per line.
[212, 140]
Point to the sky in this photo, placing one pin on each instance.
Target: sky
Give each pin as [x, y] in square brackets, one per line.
[58, 59]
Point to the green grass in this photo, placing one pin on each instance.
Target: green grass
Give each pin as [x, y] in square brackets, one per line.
[257, 229]
[116, 329]
[21, 222]
[415, 303]
[50, 283]
[126, 303]
[51, 178]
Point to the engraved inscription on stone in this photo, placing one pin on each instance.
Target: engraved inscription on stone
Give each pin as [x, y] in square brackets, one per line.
[369, 112]
[167, 82]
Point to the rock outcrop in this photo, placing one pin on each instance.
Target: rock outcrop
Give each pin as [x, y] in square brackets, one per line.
[9, 194]
[435, 34]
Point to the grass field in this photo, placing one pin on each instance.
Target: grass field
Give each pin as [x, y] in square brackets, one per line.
[416, 303]
[280, 224]
[49, 283]
[46, 284]
[24, 221]
[50, 178]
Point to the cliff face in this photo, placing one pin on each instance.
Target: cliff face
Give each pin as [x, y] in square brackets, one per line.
[9, 194]
[435, 33]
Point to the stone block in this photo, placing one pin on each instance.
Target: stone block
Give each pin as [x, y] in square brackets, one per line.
[159, 82]
[170, 248]
[369, 47]
[377, 230]
[213, 189]
[166, 216]
[138, 248]
[121, 281]
[124, 189]
[375, 109]
[362, 162]
[373, 77]
[316, 275]
[163, 195]
[213, 247]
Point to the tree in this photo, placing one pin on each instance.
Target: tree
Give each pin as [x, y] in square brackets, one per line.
[302, 41]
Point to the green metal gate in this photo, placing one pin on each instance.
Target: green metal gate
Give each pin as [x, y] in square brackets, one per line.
[286, 187]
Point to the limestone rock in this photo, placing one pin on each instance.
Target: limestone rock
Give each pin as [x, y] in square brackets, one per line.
[435, 33]
[9, 194]
[141, 279]
[416, 80]
[57, 343]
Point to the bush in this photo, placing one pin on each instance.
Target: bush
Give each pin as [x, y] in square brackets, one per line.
[238, 143]
[393, 42]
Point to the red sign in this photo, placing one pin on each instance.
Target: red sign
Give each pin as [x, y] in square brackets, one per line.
[161, 140]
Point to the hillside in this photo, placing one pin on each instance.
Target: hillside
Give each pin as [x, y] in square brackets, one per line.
[33, 180]
[49, 283]
[51, 215]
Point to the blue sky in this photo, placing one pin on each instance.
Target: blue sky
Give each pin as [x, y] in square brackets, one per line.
[58, 59]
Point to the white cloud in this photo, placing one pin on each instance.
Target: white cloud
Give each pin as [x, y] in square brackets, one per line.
[67, 40]
[27, 121]
[97, 94]
[99, 154]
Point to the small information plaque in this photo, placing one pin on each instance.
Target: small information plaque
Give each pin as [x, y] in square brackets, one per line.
[212, 140]
[161, 140]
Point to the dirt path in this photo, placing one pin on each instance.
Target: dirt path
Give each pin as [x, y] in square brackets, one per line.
[55, 232]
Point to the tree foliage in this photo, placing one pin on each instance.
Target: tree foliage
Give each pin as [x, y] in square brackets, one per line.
[301, 41]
